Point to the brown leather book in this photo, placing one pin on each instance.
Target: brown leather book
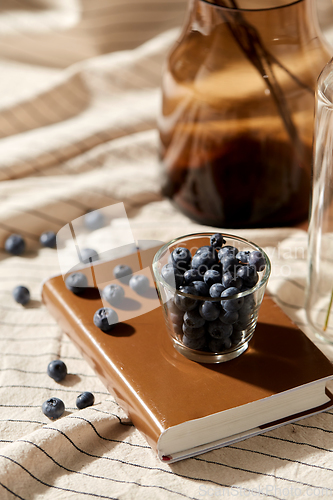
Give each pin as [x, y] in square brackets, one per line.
[184, 408]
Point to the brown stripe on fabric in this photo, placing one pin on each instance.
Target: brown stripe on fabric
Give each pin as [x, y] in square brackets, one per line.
[145, 467]
[20, 370]
[59, 389]
[142, 485]
[271, 455]
[11, 491]
[266, 474]
[296, 443]
[70, 490]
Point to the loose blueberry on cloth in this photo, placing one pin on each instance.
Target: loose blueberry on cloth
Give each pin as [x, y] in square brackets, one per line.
[88, 255]
[57, 370]
[53, 408]
[21, 295]
[15, 244]
[94, 220]
[84, 400]
[48, 239]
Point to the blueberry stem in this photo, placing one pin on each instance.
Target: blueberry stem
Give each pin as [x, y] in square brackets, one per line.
[328, 312]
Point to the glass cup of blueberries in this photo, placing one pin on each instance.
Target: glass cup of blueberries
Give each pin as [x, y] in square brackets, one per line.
[211, 287]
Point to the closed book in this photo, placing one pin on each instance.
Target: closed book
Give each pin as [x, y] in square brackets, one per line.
[182, 407]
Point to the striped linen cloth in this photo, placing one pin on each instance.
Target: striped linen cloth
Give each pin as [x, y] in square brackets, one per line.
[78, 133]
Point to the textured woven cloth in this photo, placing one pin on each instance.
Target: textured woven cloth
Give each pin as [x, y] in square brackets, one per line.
[78, 133]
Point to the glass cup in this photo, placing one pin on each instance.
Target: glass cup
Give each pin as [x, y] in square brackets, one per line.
[222, 330]
[319, 290]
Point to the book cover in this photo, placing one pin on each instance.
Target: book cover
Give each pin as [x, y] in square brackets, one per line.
[161, 390]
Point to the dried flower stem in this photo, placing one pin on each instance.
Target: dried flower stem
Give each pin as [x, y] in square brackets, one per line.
[248, 39]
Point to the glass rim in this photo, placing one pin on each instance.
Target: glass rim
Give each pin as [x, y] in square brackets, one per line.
[262, 281]
[260, 9]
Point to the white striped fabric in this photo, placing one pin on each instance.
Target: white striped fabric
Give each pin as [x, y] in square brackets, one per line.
[83, 136]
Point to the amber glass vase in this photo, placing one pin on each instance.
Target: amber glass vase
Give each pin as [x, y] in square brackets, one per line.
[237, 116]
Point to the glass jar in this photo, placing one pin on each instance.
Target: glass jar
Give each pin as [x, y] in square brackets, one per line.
[319, 291]
[237, 115]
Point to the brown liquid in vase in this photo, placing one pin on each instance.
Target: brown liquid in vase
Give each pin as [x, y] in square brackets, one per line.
[237, 120]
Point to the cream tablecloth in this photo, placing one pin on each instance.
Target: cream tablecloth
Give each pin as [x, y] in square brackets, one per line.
[78, 132]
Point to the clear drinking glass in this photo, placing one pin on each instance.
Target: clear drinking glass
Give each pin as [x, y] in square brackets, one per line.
[319, 292]
[209, 349]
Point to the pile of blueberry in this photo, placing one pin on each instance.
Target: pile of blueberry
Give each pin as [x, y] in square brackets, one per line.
[54, 407]
[218, 271]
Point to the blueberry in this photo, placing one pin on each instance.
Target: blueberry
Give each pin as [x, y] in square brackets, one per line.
[94, 220]
[172, 275]
[21, 295]
[193, 319]
[15, 244]
[203, 261]
[205, 248]
[76, 283]
[217, 267]
[257, 260]
[197, 344]
[84, 400]
[211, 277]
[248, 306]
[181, 258]
[122, 273]
[209, 310]
[219, 330]
[57, 370]
[218, 345]
[176, 319]
[113, 294]
[193, 333]
[231, 304]
[105, 319]
[88, 255]
[139, 283]
[229, 263]
[53, 408]
[227, 250]
[248, 274]
[48, 239]
[177, 329]
[216, 290]
[236, 336]
[243, 323]
[201, 288]
[229, 317]
[229, 279]
[172, 308]
[243, 256]
[185, 303]
[217, 240]
[192, 275]
[227, 343]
